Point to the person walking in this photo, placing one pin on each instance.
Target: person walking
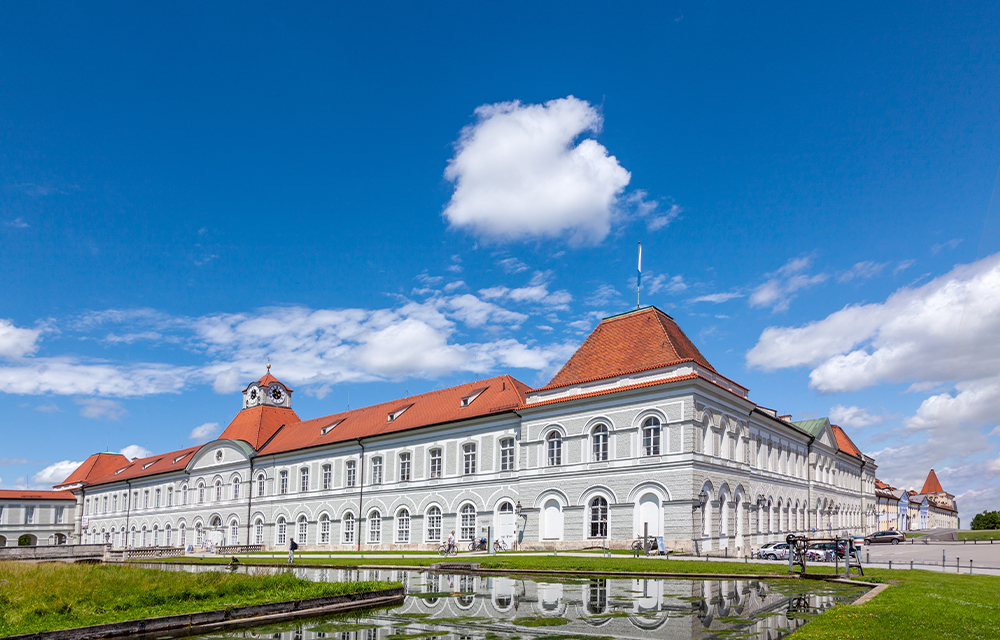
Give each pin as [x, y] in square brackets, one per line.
[292, 546]
[451, 542]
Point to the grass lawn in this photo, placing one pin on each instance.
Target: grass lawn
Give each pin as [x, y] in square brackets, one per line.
[982, 534]
[919, 605]
[46, 596]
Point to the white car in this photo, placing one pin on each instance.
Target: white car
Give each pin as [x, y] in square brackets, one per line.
[773, 551]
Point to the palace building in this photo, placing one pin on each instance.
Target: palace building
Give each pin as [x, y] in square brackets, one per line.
[637, 432]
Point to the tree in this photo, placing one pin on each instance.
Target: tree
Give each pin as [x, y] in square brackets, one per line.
[24, 541]
[987, 520]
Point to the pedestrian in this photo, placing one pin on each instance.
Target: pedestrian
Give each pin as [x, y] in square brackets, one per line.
[451, 542]
[292, 546]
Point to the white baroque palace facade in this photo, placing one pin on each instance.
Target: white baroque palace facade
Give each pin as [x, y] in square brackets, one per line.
[637, 432]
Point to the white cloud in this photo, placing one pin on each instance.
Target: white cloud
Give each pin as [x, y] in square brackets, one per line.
[950, 244]
[54, 473]
[475, 312]
[452, 286]
[17, 223]
[205, 432]
[135, 451]
[16, 342]
[913, 336]
[603, 295]
[651, 211]
[903, 266]
[663, 282]
[779, 291]
[854, 417]
[862, 271]
[70, 376]
[512, 265]
[101, 408]
[717, 298]
[519, 172]
[536, 292]
[976, 403]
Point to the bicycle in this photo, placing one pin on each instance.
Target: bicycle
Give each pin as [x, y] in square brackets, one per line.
[478, 545]
[447, 550]
[499, 546]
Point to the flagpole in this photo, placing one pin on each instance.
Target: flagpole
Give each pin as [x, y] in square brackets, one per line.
[638, 279]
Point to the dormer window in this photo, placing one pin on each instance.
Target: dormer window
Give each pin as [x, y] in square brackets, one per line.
[149, 464]
[398, 412]
[467, 400]
[330, 427]
[179, 458]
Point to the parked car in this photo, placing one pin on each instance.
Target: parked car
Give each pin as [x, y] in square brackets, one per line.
[824, 551]
[859, 541]
[774, 551]
[891, 537]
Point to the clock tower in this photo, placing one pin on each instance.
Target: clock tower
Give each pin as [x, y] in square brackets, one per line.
[268, 392]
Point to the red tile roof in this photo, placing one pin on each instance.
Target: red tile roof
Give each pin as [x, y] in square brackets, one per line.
[268, 379]
[94, 467]
[151, 466]
[500, 395]
[256, 425]
[931, 484]
[8, 494]
[844, 442]
[634, 341]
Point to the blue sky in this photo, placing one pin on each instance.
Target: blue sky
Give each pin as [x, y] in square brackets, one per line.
[388, 199]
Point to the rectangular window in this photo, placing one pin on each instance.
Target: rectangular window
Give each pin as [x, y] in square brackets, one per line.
[135, 499]
[157, 498]
[327, 476]
[469, 458]
[170, 497]
[351, 473]
[507, 454]
[377, 470]
[651, 441]
[404, 467]
[283, 482]
[236, 488]
[104, 505]
[145, 499]
[435, 463]
[114, 503]
[349, 528]
[260, 485]
[29, 515]
[59, 514]
[304, 480]
[86, 507]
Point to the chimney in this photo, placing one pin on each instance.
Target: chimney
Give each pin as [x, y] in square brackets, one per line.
[786, 418]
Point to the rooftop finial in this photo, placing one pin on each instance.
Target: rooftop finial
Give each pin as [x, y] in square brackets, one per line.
[269, 364]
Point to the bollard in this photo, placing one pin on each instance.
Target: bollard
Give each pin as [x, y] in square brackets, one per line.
[970, 567]
[890, 565]
[956, 565]
[911, 565]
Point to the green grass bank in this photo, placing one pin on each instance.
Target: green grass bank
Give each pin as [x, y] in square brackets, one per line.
[48, 596]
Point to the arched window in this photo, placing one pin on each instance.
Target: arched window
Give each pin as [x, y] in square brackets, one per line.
[403, 526]
[651, 436]
[134, 541]
[236, 488]
[168, 535]
[183, 534]
[201, 492]
[598, 518]
[260, 485]
[234, 532]
[114, 537]
[303, 532]
[184, 492]
[433, 524]
[218, 490]
[554, 447]
[145, 536]
[258, 532]
[468, 522]
[374, 527]
[599, 443]
[156, 535]
[348, 527]
[281, 538]
[324, 529]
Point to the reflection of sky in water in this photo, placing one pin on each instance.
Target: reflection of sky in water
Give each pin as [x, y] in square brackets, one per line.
[467, 607]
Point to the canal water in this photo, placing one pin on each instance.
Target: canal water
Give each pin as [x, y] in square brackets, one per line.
[468, 607]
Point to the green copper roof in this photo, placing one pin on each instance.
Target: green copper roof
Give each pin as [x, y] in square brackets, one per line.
[813, 427]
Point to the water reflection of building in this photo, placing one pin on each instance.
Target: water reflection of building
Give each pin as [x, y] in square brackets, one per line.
[454, 606]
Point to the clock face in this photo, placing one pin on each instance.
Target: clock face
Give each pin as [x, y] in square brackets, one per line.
[253, 397]
[277, 394]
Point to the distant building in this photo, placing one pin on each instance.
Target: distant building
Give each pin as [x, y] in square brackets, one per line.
[36, 517]
[637, 432]
[932, 508]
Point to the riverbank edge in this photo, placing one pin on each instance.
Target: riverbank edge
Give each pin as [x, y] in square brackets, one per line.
[220, 619]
